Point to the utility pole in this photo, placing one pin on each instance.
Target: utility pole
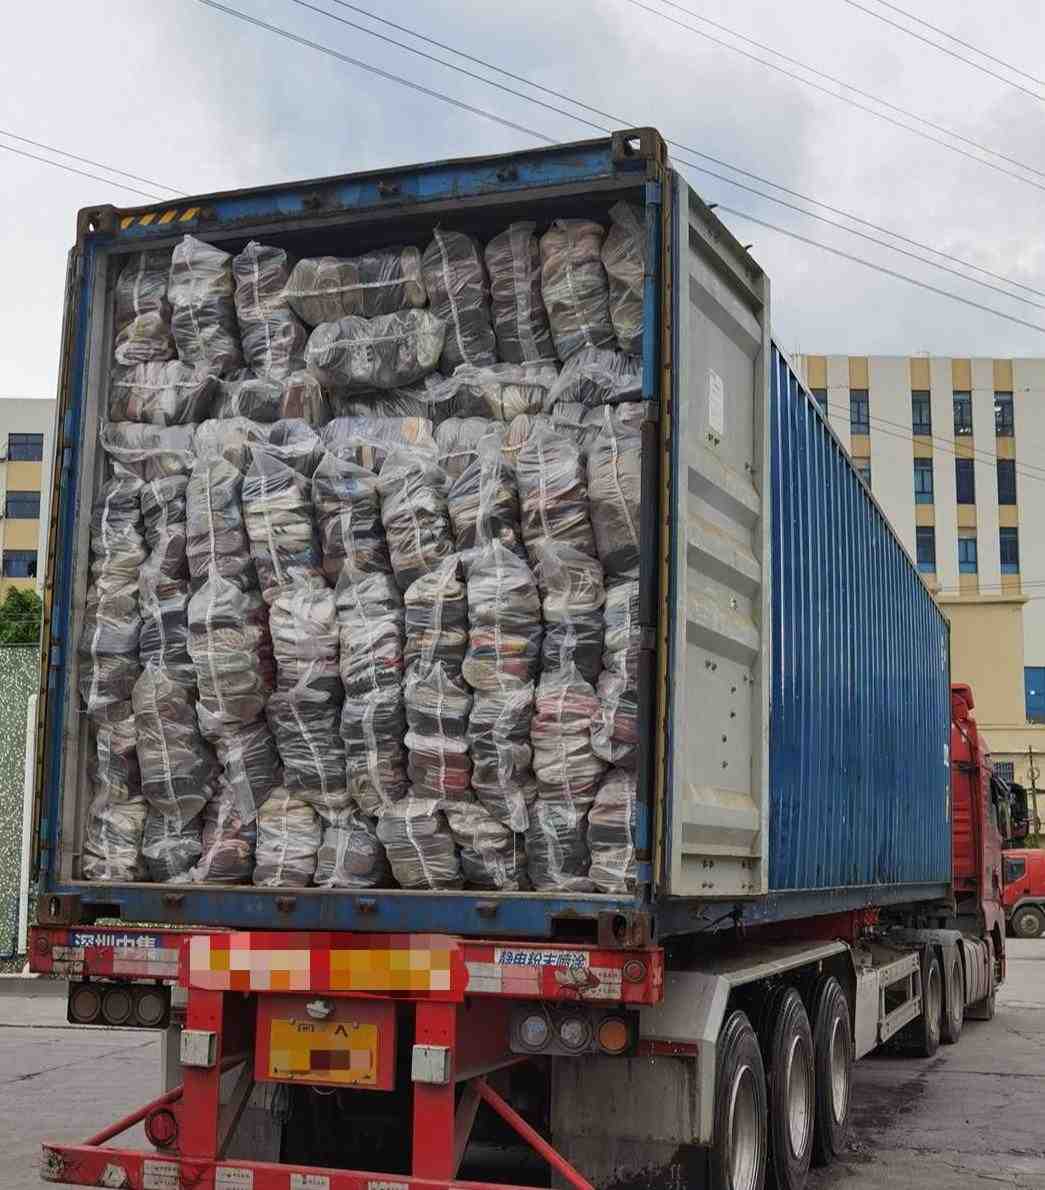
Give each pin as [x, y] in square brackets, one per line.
[1032, 773]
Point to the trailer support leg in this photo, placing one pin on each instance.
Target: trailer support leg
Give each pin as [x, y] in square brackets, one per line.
[201, 1103]
[434, 1103]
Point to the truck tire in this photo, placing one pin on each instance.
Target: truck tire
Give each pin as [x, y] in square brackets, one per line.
[953, 1015]
[787, 1054]
[737, 1160]
[1028, 922]
[922, 1036]
[833, 1053]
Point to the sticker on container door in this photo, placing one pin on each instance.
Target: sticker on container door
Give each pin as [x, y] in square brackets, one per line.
[160, 1175]
[309, 1181]
[228, 1178]
[716, 405]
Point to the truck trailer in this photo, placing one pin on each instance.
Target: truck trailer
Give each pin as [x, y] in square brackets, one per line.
[814, 876]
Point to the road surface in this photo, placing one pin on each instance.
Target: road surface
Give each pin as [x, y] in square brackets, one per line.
[972, 1118]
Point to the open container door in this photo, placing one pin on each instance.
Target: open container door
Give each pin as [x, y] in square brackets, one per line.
[718, 661]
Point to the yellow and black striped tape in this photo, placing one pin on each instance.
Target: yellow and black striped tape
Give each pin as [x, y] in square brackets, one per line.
[174, 215]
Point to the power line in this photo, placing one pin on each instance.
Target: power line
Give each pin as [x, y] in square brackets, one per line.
[82, 173]
[619, 122]
[87, 161]
[878, 16]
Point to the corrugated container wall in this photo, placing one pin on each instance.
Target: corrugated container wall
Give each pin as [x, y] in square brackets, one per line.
[860, 705]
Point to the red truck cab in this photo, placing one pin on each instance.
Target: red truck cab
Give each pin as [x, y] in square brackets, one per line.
[1024, 893]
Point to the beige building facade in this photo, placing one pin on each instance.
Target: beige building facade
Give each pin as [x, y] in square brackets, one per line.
[954, 452]
[26, 451]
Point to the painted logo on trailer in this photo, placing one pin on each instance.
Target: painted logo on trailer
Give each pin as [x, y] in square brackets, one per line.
[572, 960]
[105, 938]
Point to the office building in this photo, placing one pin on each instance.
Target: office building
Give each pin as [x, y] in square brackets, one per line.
[26, 445]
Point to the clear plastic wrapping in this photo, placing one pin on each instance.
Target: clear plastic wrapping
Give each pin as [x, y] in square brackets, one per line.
[520, 320]
[163, 603]
[348, 515]
[231, 439]
[484, 502]
[228, 842]
[216, 537]
[351, 855]
[161, 393]
[204, 319]
[250, 765]
[504, 621]
[437, 707]
[273, 336]
[573, 597]
[277, 512]
[419, 844]
[303, 625]
[370, 625]
[142, 314]
[499, 742]
[437, 619]
[615, 729]
[368, 441]
[289, 837]
[597, 376]
[372, 727]
[624, 258]
[557, 854]
[295, 443]
[164, 506]
[458, 440]
[611, 833]
[499, 392]
[326, 288]
[116, 816]
[615, 493]
[491, 855]
[171, 848]
[413, 510]
[266, 400]
[564, 763]
[428, 400]
[305, 719]
[389, 351]
[150, 452]
[459, 293]
[574, 286]
[553, 494]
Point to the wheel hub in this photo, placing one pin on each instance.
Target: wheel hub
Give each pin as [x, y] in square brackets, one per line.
[745, 1136]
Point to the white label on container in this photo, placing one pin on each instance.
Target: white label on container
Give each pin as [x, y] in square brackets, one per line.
[160, 1175]
[228, 1178]
[310, 1181]
[387, 1186]
[716, 404]
[507, 956]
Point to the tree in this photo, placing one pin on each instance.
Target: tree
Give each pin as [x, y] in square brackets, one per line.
[20, 616]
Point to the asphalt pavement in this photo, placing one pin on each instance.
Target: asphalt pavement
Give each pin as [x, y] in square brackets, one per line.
[971, 1118]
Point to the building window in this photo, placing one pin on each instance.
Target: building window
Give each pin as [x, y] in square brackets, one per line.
[967, 555]
[963, 413]
[23, 506]
[863, 469]
[25, 448]
[926, 542]
[1005, 770]
[820, 396]
[859, 411]
[1034, 684]
[19, 563]
[921, 413]
[1006, 481]
[1010, 550]
[965, 481]
[923, 481]
[1003, 418]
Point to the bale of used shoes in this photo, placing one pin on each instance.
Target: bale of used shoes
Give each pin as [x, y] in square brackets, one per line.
[116, 816]
[484, 502]
[148, 451]
[557, 855]
[273, 336]
[499, 392]
[615, 494]
[513, 260]
[553, 494]
[200, 292]
[162, 393]
[277, 513]
[504, 618]
[624, 258]
[369, 440]
[615, 730]
[170, 847]
[564, 761]
[571, 583]
[437, 619]
[250, 765]
[231, 439]
[437, 708]
[216, 536]
[386, 352]
[289, 838]
[502, 758]
[351, 855]
[419, 844]
[413, 489]
[227, 842]
[459, 293]
[492, 856]
[597, 376]
[254, 397]
[458, 438]
[329, 288]
[142, 314]
[347, 507]
[574, 286]
[611, 833]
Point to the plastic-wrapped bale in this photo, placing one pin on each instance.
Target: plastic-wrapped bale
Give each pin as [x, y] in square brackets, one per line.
[372, 728]
[108, 646]
[437, 708]
[557, 855]
[484, 502]
[459, 293]
[624, 258]
[597, 376]
[611, 833]
[150, 452]
[429, 399]
[566, 420]
[305, 719]
[230, 647]
[273, 336]
[231, 439]
[277, 512]
[390, 351]
[499, 742]
[513, 260]
[413, 488]
[116, 816]
[572, 607]
[216, 537]
[458, 438]
[574, 286]
[615, 494]
[143, 315]
[295, 443]
[626, 419]
[171, 848]
[163, 604]
[348, 515]
[437, 619]
[368, 441]
[491, 855]
[298, 396]
[200, 292]
[615, 729]
[564, 763]
[289, 836]
[419, 844]
[228, 842]
[504, 621]
[161, 394]
[351, 855]
[500, 392]
[303, 625]
[305, 398]
[164, 504]
[326, 288]
[553, 494]
[250, 765]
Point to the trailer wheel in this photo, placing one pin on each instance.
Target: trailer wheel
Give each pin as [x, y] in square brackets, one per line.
[833, 1051]
[1028, 922]
[925, 1029]
[738, 1157]
[954, 1009]
[787, 1053]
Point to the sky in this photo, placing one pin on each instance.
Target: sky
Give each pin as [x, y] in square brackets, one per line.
[197, 100]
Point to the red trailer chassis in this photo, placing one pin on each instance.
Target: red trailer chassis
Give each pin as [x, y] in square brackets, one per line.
[321, 1009]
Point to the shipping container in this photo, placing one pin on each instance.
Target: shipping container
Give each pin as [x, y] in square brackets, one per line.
[794, 699]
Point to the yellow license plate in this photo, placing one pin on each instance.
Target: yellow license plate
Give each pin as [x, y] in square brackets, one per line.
[341, 1052]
